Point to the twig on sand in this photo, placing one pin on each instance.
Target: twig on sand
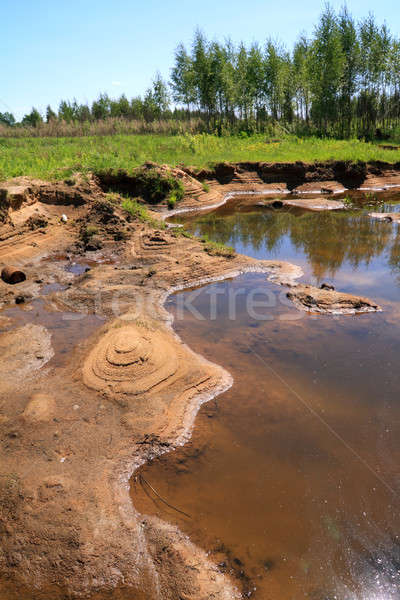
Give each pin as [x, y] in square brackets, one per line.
[142, 479]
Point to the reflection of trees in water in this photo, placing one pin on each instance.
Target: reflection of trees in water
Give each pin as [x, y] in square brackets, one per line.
[326, 239]
[394, 255]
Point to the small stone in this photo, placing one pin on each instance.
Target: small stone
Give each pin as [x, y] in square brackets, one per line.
[64, 218]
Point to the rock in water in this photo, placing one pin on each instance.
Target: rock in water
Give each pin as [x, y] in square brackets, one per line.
[314, 299]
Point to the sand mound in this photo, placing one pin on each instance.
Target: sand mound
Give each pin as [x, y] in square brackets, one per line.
[157, 240]
[132, 360]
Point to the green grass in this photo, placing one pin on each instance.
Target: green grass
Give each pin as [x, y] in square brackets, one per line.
[155, 187]
[59, 158]
[181, 232]
[140, 213]
[217, 248]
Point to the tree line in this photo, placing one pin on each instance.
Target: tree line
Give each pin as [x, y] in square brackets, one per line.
[342, 81]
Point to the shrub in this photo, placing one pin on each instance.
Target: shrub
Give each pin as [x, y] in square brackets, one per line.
[155, 187]
[113, 197]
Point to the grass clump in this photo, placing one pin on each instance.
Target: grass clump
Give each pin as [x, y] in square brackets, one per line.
[91, 230]
[179, 232]
[218, 248]
[140, 213]
[113, 198]
[348, 202]
[206, 187]
[172, 200]
[88, 232]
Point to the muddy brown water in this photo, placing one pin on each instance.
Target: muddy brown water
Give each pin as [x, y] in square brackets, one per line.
[291, 478]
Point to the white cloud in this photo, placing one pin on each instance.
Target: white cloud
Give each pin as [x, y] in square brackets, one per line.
[116, 83]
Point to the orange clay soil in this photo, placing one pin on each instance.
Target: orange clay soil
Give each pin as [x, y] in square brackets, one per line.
[73, 432]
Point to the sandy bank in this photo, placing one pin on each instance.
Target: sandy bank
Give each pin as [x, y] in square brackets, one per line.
[72, 434]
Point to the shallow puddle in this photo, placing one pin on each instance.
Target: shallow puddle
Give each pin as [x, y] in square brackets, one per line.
[67, 329]
[291, 478]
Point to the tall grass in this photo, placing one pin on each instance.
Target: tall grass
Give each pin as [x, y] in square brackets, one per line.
[59, 158]
[110, 126]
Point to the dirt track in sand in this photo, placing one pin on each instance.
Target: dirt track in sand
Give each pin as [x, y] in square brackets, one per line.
[72, 434]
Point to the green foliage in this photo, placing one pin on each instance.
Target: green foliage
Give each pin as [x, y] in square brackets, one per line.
[155, 186]
[33, 118]
[7, 118]
[171, 202]
[341, 82]
[326, 71]
[156, 101]
[50, 114]
[206, 187]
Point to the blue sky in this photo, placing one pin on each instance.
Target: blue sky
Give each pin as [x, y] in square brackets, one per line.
[53, 49]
